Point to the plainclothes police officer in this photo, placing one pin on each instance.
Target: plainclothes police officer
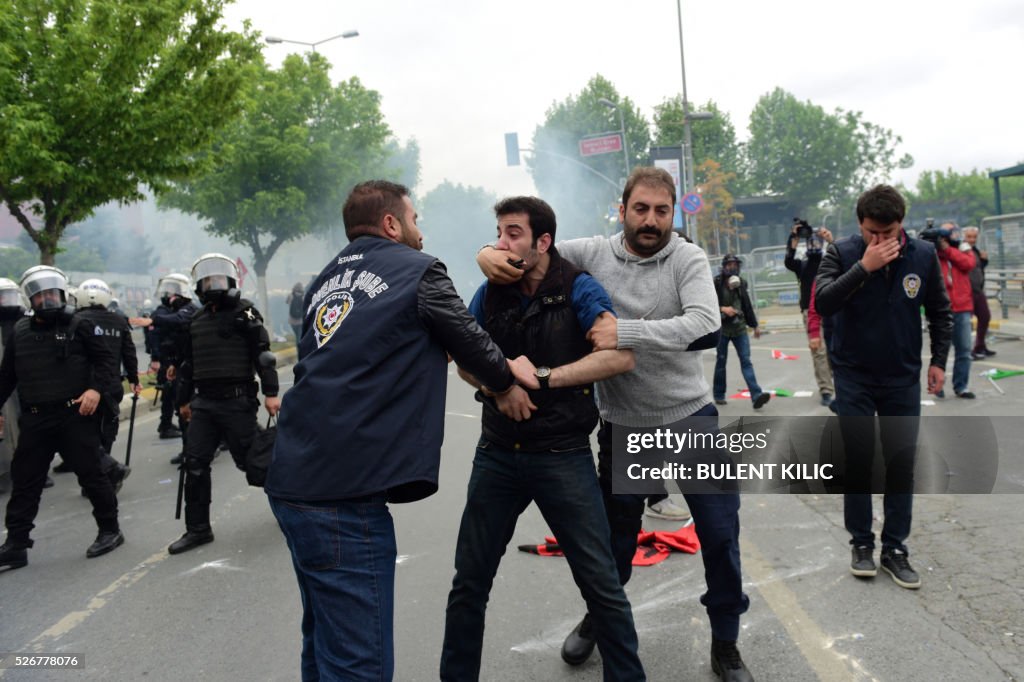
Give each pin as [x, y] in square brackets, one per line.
[93, 297]
[226, 344]
[11, 311]
[60, 369]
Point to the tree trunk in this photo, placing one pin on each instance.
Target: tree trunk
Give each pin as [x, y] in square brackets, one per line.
[261, 287]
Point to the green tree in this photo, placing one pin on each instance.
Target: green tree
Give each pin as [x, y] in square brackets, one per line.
[14, 261]
[101, 97]
[801, 152]
[713, 138]
[456, 220]
[581, 189]
[284, 167]
[971, 195]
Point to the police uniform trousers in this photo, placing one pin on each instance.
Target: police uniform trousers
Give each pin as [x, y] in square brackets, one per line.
[44, 431]
[229, 419]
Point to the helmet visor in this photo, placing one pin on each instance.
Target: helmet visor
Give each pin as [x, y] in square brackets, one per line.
[42, 282]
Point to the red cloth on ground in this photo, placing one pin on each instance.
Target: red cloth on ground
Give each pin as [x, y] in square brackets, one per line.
[652, 547]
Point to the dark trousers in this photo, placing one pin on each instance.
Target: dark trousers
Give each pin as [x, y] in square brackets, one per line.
[565, 488]
[899, 411]
[984, 316]
[716, 520]
[168, 401]
[232, 420]
[77, 439]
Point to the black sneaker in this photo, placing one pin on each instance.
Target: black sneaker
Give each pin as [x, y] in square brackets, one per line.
[762, 400]
[894, 562]
[176, 460]
[988, 353]
[170, 432]
[580, 643]
[940, 394]
[106, 541]
[826, 399]
[862, 564]
[118, 475]
[726, 662]
[721, 401]
[978, 356]
[966, 395]
[13, 555]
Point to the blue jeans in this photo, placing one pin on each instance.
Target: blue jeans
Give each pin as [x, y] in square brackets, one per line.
[899, 410]
[717, 522]
[564, 486]
[962, 351]
[344, 558]
[742, 343]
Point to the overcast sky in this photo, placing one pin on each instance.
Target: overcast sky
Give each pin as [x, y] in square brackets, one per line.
[457, 74]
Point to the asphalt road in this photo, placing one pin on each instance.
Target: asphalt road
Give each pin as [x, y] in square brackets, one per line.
[230, 610]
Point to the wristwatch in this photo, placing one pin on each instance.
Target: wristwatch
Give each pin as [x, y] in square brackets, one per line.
[543, 375]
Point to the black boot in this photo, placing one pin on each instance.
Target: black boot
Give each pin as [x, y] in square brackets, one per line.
[106, 541]
[117, 476]
[13, 555]
[579, 645]
[726, 662]
[197, 528]
[193, 537]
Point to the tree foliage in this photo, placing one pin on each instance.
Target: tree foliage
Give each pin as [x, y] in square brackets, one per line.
[456, 220]
[573, 184]
[714, 138]
[801, 152]
[101, 97]
[284, 168]
[968, 196]
[717, 220]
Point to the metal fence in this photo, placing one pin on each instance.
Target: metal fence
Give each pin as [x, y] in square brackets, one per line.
[771, 284]
[1003, 238]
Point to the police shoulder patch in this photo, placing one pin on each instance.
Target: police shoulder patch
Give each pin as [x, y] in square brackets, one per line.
[912, 285]
[331, 312]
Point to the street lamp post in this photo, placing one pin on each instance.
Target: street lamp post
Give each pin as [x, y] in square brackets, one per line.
[273, 40]
[622, 127]
[687, 135]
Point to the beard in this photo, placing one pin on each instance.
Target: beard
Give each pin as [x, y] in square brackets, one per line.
[634, 236]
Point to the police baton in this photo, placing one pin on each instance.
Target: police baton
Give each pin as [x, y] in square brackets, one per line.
[181, 489]
[131, 430]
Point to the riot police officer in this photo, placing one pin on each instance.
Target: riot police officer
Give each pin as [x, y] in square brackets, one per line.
[226, 344]
[11, 311]
[60, 368]
[93, 297]
[169, 324]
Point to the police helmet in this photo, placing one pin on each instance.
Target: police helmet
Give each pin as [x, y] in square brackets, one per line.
[46, 289]
[10, 294]
[215, 275]
[93, 293]
[174, 284]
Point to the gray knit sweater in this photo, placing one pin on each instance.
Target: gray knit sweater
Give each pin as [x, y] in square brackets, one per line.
[664, 303]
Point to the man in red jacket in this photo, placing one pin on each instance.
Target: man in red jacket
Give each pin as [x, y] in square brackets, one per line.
[956, 260]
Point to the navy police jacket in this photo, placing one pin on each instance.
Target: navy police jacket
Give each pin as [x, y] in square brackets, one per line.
[872, 321]
[365, 415]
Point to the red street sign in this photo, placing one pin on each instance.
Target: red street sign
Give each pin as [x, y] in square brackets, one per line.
[242, 271]
[605, 144]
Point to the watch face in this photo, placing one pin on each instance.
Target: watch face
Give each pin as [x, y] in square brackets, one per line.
[543, 372]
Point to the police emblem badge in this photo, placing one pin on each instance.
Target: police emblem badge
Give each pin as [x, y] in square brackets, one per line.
[329, 316]
[911, 285]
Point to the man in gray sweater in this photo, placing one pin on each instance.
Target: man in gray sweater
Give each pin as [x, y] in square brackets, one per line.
[661, 288]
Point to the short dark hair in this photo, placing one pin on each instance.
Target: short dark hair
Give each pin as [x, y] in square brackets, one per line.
[368, 203]
[649, 176]
[883, 204]
[542, 216]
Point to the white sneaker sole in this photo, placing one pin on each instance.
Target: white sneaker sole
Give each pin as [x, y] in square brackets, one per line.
[864, 573]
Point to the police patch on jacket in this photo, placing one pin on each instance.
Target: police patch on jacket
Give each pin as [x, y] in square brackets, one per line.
[329, 316]
[912, 285]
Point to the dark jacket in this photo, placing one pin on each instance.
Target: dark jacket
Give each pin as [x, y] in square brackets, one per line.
[805, 269]
[365, 415]
[721, 286]
[548, 332]
[872, 321]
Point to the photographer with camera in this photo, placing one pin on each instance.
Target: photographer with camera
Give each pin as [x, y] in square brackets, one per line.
[956, 261]
[806, 269]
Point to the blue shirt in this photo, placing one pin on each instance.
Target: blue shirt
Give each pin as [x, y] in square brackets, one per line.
[589, 299]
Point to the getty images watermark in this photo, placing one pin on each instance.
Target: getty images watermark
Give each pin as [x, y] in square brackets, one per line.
[807, 455]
